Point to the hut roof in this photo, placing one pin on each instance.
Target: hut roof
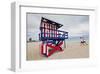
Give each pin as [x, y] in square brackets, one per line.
[51, 22]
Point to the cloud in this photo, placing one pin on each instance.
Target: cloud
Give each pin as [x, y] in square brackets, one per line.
[79, 30]
[76, 25]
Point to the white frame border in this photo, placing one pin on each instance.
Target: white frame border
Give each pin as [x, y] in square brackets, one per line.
[16, 33]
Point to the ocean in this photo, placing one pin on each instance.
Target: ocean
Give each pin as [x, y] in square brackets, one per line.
[77, 39]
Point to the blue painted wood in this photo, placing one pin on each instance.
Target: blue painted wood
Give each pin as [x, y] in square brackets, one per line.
[59, 36]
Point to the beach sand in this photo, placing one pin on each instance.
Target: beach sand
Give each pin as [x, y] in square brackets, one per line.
[72, 50]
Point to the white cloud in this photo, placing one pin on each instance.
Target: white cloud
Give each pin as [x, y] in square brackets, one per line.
[81, 29]
[76, 25]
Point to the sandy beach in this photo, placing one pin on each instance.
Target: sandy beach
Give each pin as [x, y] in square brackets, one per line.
[72, 50]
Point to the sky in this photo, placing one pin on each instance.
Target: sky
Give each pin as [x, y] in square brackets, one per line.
[75, 25]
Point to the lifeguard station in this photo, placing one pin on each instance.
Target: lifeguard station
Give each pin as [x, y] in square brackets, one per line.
[52, 38]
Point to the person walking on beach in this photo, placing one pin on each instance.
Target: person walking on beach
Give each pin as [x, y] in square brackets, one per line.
[82, 41]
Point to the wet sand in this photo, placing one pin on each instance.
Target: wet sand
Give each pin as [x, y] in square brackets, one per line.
[72, 50]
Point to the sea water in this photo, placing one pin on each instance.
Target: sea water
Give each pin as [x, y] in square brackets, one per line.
[76, 39]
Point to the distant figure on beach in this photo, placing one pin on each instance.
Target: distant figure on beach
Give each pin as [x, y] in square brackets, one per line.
[30, 39]
[82, 41]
